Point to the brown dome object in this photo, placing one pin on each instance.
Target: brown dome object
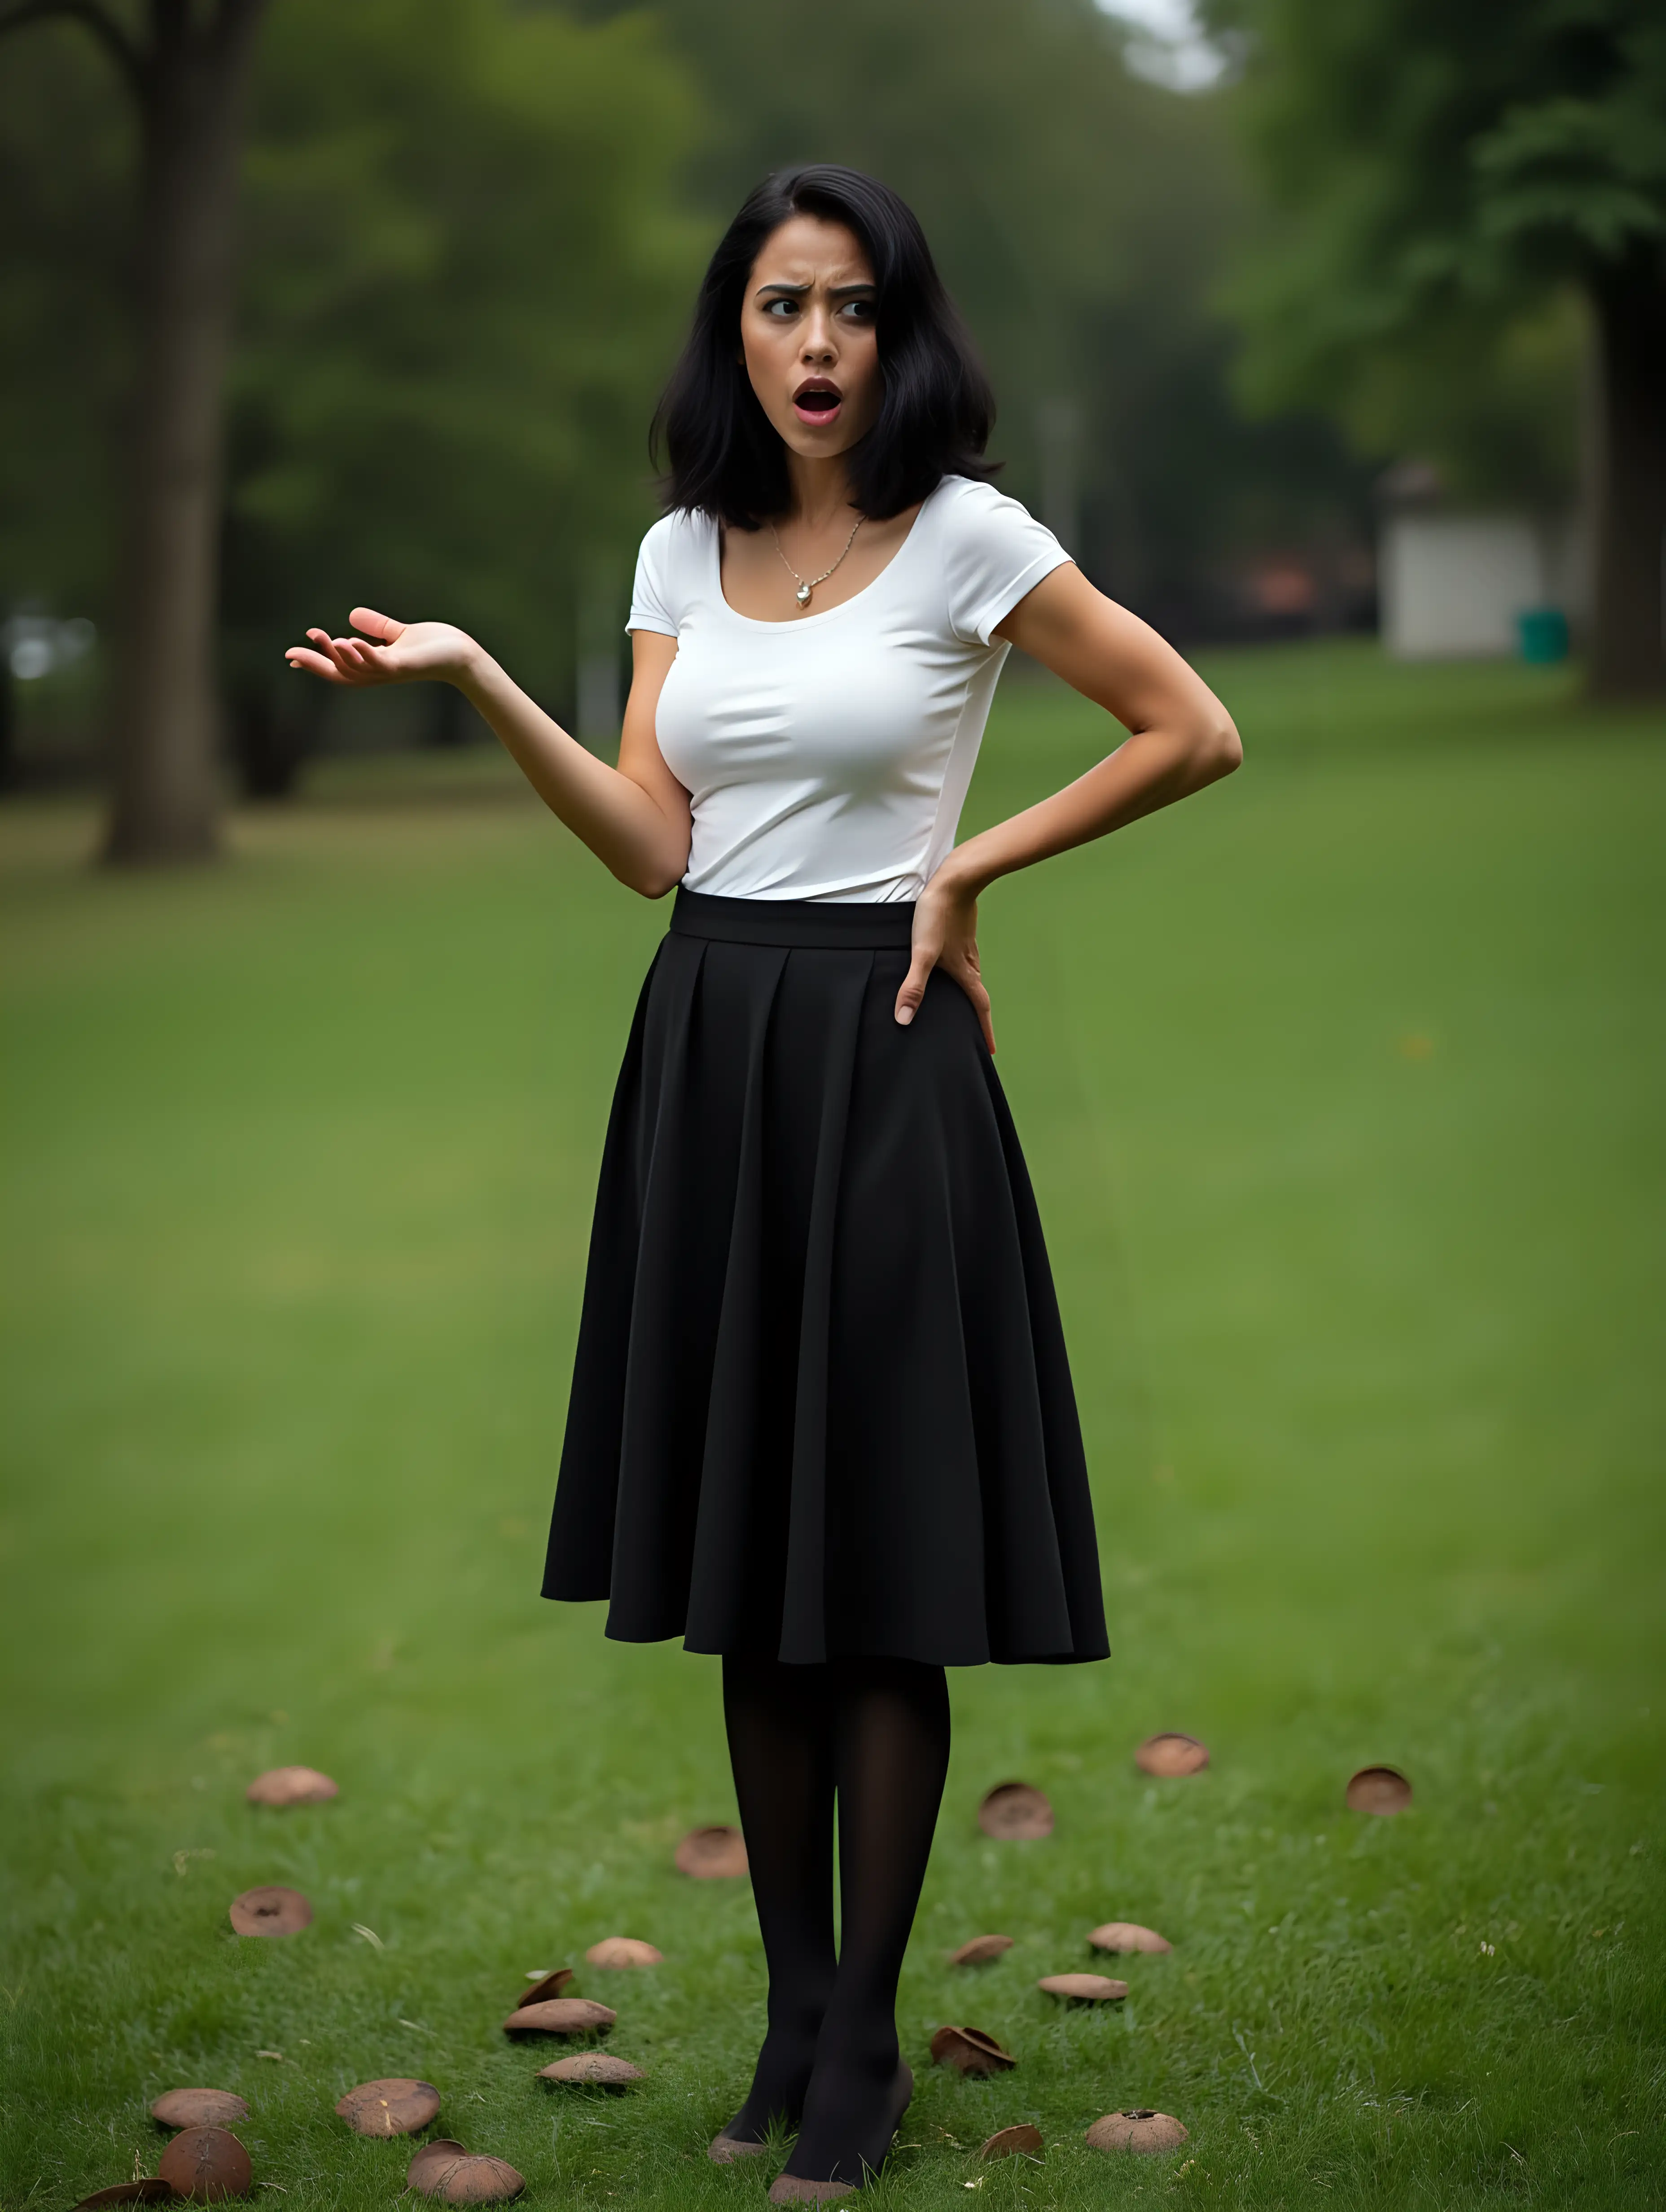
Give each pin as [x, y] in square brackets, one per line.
[1128, 1936]
[396, 2107]
[206, 2163]
[597, 2067]
[615, 1953]
[712, 1854]
[980, 1950]
[291, 1785]
[1084, 1989]
[1171, 1754]
[551, 1986]
[1381, 1789]
[561, 2016]
[150, 2190]
[271, 1910]
[198, 2108]
[460, 2179]
[1013, 1813]
[1140, 2129]
[1022, 2141]
[430, 2160]
[969, 2050]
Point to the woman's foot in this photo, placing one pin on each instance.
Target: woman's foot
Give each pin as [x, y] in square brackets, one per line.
[851, 2115]
[776, 2097]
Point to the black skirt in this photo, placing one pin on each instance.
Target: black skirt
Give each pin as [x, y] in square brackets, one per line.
[821, 1404]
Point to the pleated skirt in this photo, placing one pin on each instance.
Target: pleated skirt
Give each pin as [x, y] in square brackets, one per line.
[821, 1404]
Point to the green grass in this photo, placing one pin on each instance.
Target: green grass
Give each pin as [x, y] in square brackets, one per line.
[1342, 1091]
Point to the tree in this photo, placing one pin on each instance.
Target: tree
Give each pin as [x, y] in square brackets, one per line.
[458, 300]
[185, 70]
[1083, 219]
[462, 271]
[1445, 172]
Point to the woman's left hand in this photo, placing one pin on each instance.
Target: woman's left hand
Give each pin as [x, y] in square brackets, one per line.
[945, 936]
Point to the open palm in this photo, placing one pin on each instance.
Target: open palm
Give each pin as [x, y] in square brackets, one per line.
[388, 651]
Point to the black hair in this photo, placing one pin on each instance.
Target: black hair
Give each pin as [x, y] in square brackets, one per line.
[725, 458]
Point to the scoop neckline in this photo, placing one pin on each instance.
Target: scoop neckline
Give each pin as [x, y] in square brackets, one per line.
[827, 614]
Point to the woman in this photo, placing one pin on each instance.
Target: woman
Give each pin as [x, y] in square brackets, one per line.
[821, 1419]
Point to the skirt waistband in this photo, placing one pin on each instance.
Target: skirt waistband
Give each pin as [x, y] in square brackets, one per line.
[816, 925]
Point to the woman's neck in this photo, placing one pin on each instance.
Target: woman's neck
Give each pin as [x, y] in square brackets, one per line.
[818, 491]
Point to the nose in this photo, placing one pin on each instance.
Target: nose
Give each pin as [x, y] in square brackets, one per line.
[819, 346]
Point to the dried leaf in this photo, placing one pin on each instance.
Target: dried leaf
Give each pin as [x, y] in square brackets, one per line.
[615, 1952]
[1380, 1789]
[593, 2066]
[291, 1785]
[1171, 1753]
[1084, 1989]
[207, 2163]
[980, 1950]
[271, 1910]
[475, 2181]
[969, 2050]
[1014, 1813]
[1024, 2140]
[150, 2189]
[398, 2106]
[712, 1854]
[1128, 1936]
[431, 2159]
[1140, 2129]
[561, 2016]
[198, 2108]
[551, 1985]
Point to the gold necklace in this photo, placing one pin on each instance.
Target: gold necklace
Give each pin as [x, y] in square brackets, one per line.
[807, 585]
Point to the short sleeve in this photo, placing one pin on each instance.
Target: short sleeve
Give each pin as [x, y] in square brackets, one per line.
[652, 601]
[996, 552]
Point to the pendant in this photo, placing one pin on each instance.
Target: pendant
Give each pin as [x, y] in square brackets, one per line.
[802, 595]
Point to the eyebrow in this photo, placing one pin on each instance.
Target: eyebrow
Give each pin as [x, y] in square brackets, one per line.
[835, 291]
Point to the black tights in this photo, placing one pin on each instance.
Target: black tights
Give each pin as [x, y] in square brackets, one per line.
[874, 1733]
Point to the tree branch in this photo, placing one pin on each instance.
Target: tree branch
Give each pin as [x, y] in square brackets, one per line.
[128, 57]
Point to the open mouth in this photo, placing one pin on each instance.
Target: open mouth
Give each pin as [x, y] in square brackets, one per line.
[817, 401]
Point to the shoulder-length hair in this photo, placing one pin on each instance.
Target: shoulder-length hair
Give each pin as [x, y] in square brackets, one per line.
[725, 456]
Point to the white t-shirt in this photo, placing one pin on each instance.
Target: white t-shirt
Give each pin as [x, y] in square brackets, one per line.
[829, 757]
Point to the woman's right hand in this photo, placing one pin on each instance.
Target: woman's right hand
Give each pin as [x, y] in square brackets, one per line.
[389, 652]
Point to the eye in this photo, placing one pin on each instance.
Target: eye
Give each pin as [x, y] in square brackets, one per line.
[781, 308]
[859, 311]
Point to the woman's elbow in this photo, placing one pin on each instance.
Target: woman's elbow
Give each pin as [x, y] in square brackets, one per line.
[651, 879]
[1220, 748]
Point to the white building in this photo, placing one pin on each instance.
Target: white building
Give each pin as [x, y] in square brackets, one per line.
[1452, 586]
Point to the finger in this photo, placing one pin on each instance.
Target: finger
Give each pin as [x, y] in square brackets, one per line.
[314, 664]
[913, 987]
[375, 625]
[966, 975]
[356, 657]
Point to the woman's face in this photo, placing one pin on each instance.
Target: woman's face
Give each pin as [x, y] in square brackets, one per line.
[808, 339]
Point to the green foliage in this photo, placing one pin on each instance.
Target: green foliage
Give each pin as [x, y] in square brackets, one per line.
[1341, 1088]
[1083, 219]
[465, 274]
[1443, 173]
[63, 238]
[469, 246]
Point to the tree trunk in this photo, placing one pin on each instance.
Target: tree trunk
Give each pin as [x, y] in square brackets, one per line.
[1628, 616]
[164, 719]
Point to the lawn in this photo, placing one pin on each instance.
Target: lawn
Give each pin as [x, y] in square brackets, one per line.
[1343, 1089]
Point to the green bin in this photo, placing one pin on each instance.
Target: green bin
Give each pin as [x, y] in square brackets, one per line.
[1543, 634]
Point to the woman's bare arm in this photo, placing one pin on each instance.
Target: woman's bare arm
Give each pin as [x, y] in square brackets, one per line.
[1180, 739]
[634, 818]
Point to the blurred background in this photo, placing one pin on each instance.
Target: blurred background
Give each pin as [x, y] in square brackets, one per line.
[1303, 324]
[1330, 334]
